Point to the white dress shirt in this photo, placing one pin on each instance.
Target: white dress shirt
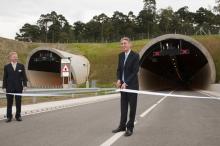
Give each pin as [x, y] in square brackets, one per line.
[14, 65]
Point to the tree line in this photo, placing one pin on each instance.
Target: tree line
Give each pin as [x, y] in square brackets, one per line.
[150, 22]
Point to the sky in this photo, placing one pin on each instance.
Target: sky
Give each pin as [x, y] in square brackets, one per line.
[15, 13]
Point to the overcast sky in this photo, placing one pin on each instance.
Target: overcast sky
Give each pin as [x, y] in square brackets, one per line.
[15, 13]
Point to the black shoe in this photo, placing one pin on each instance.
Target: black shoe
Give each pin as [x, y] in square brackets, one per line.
[118, 130]
[19, 119]
[128, 132]
[8, 120]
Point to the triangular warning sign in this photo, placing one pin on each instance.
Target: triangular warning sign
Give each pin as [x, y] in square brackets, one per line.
[65, 69]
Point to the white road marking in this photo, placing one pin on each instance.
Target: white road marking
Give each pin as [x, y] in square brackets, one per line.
[114, 138]
[154, 106]
[204, 93]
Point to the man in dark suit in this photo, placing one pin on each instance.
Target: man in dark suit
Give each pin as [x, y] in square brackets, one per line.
[14, 81]
[128, 67]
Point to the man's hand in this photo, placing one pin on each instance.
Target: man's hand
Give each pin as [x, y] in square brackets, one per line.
[24, 89]
[118, 84]
[124, 86]
[4, 90]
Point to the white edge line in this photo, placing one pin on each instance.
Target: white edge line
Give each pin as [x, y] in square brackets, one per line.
[55, 108]
[204, 93]
[209, 95]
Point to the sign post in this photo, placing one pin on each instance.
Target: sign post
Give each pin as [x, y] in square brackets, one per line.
[65, 71]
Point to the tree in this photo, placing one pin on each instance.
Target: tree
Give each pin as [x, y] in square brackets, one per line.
[183, 21]
[146, 19]
[131, 25]
[52, 25]
[203, 15]
[67, 29]
[217, 7]
[29, 32]
[43, 24]
[79, 30]
[101, 21]
[93, 31]
[204, 19]
[150, 5]
[119, 24]
[166, 20]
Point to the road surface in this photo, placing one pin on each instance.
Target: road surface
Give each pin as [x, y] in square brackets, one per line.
[160, 121]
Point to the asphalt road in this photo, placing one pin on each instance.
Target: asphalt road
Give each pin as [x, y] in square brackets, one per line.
[169, 122]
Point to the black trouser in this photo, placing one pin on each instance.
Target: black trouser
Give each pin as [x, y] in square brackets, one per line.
[131, 100]
[10, 99]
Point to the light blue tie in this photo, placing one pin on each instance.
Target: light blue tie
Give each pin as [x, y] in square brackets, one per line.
[126, 56]
[123, 77]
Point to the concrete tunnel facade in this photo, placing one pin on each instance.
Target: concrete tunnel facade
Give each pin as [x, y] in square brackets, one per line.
[174, 60]
[43, 68]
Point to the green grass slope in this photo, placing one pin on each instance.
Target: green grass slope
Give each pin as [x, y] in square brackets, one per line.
[102, 56]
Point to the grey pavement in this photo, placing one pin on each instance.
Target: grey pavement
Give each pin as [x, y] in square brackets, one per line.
[173, 122]
[179, 122]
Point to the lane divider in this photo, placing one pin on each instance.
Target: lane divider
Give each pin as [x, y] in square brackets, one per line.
[118, 135]
[114, 138]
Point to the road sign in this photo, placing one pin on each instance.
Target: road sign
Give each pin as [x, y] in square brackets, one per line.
[65, 68]
[65, 61]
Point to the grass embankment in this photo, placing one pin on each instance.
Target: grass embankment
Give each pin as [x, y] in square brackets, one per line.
[103, 57]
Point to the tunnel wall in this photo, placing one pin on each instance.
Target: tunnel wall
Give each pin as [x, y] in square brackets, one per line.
[80, 68]
[149, 80]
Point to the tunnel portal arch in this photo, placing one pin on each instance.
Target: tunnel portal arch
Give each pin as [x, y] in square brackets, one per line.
[172, 60]
[43, 67]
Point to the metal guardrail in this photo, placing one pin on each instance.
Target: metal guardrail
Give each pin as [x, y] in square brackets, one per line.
[65, 91]
[68, 90]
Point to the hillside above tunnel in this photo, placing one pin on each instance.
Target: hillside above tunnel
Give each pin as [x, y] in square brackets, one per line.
[102, 56]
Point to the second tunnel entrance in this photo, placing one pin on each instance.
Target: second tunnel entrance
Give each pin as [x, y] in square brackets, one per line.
[175, 60]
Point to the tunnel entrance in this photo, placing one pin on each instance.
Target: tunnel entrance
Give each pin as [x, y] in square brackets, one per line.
[172, 61]
[44, 69]
[45, 61]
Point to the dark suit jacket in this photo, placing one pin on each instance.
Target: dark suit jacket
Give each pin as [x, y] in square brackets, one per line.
[14, 80]
[130, 68]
